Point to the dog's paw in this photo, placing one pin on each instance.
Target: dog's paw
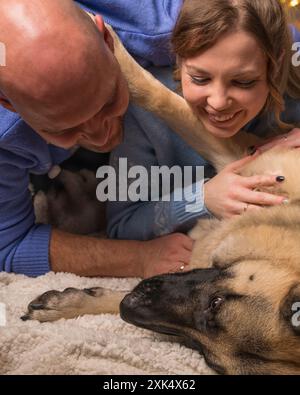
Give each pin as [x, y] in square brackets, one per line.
[70, 303]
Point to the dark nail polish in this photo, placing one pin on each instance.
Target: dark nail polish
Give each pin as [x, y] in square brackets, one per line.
[280, 178]
[252, 150]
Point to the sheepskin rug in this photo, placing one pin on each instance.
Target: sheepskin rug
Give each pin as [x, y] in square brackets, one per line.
[102, 344]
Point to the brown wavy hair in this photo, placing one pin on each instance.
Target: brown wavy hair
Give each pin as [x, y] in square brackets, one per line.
[202, 22]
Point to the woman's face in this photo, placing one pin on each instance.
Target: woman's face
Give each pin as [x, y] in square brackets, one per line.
[226, 85]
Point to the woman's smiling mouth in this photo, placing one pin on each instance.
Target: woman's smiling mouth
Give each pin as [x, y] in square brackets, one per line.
[222, 117]
[222, 120]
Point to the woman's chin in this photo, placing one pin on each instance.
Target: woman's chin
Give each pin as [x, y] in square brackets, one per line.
[221, 133]
[222, 129]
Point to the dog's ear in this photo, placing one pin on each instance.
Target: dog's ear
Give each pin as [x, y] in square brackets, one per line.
[290, 309]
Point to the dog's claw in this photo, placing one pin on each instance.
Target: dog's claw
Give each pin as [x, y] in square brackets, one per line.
[25, 317]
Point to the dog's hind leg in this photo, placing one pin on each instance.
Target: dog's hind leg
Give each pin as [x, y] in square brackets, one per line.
[72, 302]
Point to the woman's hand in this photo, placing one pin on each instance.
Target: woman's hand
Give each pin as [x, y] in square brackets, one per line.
[288, 140]
[229, 194]
[167, 254]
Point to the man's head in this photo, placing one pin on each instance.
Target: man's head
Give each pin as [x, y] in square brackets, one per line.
[61, 75]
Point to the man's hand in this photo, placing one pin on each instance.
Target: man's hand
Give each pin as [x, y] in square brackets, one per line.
[167, 254]
[229, 194]
[89, 256]
[288, 140]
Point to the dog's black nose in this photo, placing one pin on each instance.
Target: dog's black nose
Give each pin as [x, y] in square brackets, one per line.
[127, 307]
[136, 304]
[131, 300]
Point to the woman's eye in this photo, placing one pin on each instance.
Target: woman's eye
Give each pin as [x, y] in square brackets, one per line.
[199, 81]
[245, 84]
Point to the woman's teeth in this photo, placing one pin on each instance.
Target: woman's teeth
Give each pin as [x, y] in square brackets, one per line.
[221, 118]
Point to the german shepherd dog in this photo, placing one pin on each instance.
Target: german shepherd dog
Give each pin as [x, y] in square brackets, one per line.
[239, 305]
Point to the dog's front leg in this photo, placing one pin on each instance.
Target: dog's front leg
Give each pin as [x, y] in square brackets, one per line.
[72, 302]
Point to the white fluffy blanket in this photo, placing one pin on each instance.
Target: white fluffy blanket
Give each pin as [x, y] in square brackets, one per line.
[102, 344]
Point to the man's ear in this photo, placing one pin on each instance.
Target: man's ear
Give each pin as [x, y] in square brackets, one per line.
[6, 104]
[106, 34]
[290, 309]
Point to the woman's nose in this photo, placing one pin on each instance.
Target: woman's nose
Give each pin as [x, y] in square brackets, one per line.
[219, 99]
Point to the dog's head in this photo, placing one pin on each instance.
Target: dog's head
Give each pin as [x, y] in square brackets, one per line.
[243, 313]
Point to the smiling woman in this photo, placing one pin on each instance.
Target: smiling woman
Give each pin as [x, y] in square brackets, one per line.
[246, 59]
[227, 84]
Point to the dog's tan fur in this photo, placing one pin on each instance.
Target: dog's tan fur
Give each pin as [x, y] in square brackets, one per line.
[257, 254]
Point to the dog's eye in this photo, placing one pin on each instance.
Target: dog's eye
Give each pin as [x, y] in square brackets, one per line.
[216, 302]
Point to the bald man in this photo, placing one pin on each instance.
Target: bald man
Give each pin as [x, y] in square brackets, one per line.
[62, 87]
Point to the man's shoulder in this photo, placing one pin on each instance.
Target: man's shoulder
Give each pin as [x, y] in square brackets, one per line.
[144, 26]
[147, 17]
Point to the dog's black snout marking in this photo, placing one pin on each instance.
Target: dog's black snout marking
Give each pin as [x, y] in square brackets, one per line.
[149, 286]
[132, 300]
[127, 307]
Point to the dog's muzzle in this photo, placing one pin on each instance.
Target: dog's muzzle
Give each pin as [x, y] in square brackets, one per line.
[164, 302]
